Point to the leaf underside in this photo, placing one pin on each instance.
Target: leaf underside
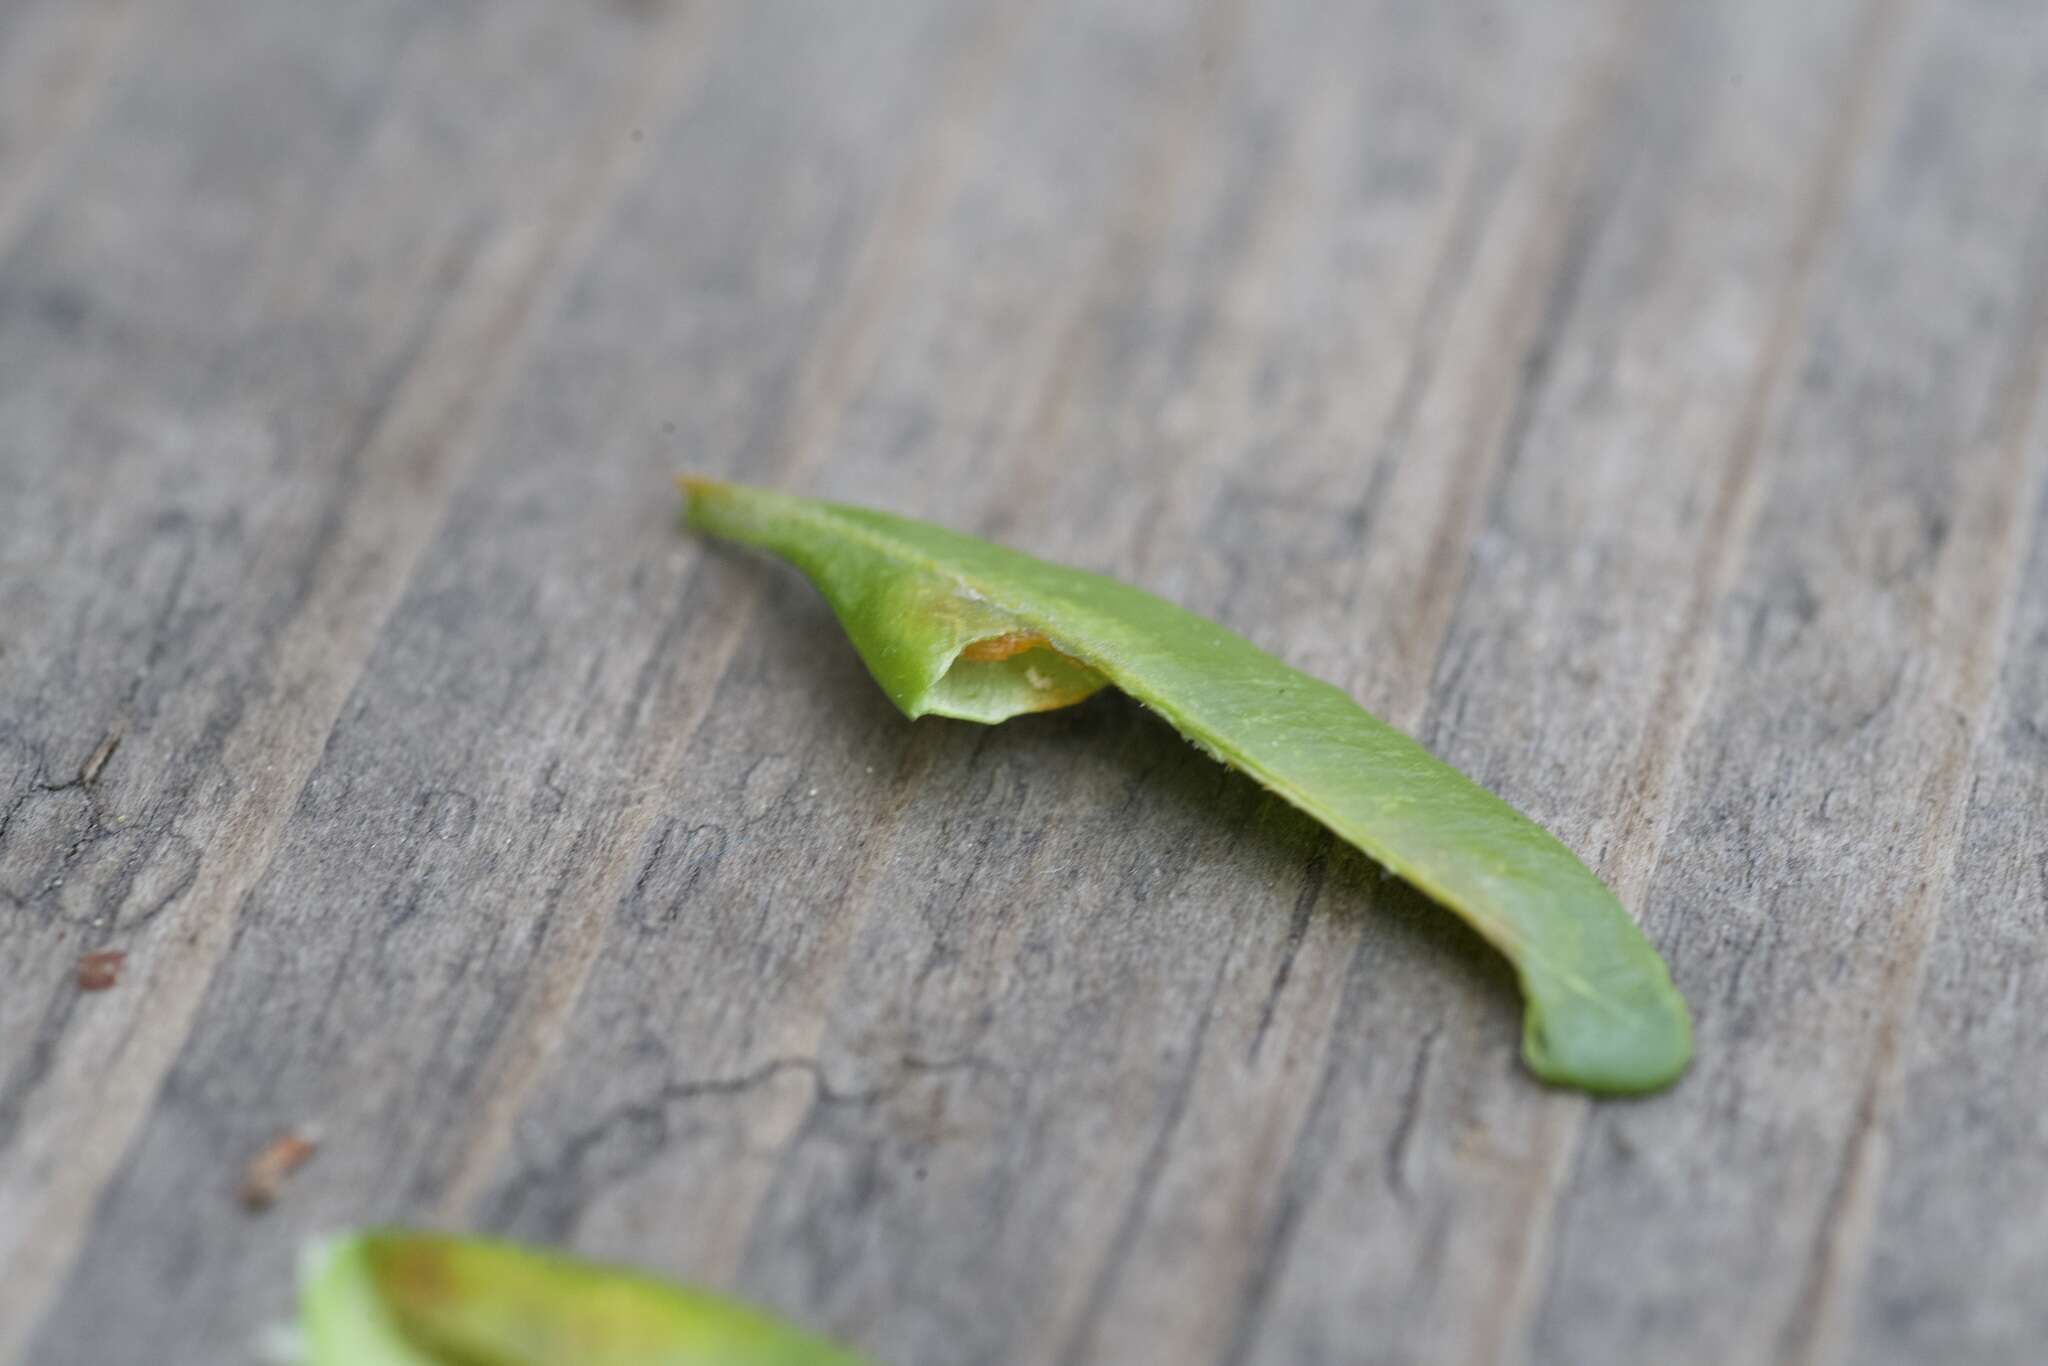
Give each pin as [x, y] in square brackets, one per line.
[954, 626]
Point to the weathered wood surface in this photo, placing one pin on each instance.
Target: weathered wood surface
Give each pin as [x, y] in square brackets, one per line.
[1643, 402]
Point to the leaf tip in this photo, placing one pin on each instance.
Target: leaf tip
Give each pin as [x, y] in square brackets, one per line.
[1589, 1051]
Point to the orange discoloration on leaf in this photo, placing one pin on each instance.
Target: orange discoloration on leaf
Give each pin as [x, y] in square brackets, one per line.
[995, 649]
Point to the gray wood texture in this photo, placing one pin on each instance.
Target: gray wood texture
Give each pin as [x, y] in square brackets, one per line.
[1641, 402]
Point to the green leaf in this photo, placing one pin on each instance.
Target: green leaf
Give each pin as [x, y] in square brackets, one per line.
[958, 627]
[390, 1297]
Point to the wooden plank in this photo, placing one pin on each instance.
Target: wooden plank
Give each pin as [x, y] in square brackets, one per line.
[1415, 1190]
[1957, 1258]
[236, 399]
[1125, 934]
[774, 162]
[1824, 787]
[58, 60]
[1641, 401]
[1956, 1255]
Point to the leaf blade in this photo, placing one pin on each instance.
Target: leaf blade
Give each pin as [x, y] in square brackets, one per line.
[1602, 1013]
[398, 1297]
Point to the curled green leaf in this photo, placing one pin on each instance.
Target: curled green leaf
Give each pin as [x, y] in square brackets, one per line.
[392, 1297]
[955, 626]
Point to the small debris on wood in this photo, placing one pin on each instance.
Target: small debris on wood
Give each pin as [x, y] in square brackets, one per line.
[265, 1175]
[89, 774]
[100, 969]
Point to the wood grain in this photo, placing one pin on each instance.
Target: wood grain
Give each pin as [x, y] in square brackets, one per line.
[1641, 401]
